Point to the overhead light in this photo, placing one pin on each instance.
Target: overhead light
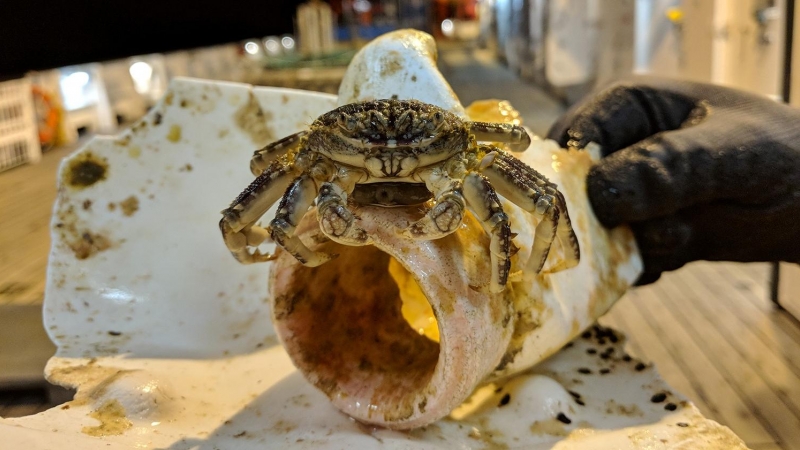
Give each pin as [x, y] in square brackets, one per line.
[361, 6]
[273, 45]
[251, 47]
[447, 27]
[142, 75]
[287, 42]
[75, 90]
[76, 80]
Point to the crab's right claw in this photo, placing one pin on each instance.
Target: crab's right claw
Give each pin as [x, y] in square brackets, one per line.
[514, 136]
[336, 220]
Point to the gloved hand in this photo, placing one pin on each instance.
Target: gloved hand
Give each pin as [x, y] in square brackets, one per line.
[698, 171]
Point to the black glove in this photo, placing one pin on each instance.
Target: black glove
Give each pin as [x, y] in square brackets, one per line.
[698, 171]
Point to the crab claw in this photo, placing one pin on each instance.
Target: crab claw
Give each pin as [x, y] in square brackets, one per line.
[238, 242]
[336, 220]
[441, 220]
[283, 235]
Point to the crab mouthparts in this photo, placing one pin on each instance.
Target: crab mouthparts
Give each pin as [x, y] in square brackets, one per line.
[391, 194]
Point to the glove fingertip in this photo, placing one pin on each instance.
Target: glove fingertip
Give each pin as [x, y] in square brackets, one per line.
[606, 197]
[558, 133]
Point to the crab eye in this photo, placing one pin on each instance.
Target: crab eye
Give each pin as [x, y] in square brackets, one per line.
[434, 121]
[341, 119]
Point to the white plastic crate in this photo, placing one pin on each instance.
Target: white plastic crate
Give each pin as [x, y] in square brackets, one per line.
[19, 139]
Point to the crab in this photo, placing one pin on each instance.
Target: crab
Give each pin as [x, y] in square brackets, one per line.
[394, 153]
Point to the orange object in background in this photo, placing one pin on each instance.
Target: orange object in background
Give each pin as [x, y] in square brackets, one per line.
[447, 13]
[455, 9]
[50, 115]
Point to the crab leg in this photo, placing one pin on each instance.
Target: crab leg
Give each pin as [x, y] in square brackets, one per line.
[566, 235]
[532, 192]
[564, 231]
[515, 136]
[238, 220]
[335, 219]
[483, 202]
[262, 158]
[294, 205]
[444, 218]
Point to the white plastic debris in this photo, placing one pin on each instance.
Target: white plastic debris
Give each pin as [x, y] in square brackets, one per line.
[168, 340]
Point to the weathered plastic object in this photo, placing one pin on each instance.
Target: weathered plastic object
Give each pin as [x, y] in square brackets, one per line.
[168, 340]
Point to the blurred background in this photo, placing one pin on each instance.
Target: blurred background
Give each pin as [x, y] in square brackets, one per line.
[69, 70]
[93, 66]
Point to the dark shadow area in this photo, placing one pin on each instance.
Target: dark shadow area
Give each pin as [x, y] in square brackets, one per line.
[40, 34]
[33, 400]
[24, 351]
[24, 347]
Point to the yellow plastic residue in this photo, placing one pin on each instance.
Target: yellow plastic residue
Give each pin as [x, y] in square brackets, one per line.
[416, 309]
[493, 110]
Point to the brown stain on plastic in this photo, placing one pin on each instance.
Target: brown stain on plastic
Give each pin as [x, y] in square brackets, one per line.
[612, 407]
[251, 119]
[346, 330]
[550, 427]
[391, 63]
[83, 242]
[88, 244]
[174, 134]
[85, 170]
[90, 379]
[129, 206]
[491, 438]
[113, 421]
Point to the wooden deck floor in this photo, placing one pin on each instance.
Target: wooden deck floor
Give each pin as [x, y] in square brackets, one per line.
[27, 194]
[714, 335]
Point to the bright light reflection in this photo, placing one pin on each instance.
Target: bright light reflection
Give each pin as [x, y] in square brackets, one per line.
[287, 42]
[76, 80]
[251, 48]
[447, 27]
[272, 45]
[74, 90]
[361, 6]
[142, 74]
[141, 71]
[117, 296]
